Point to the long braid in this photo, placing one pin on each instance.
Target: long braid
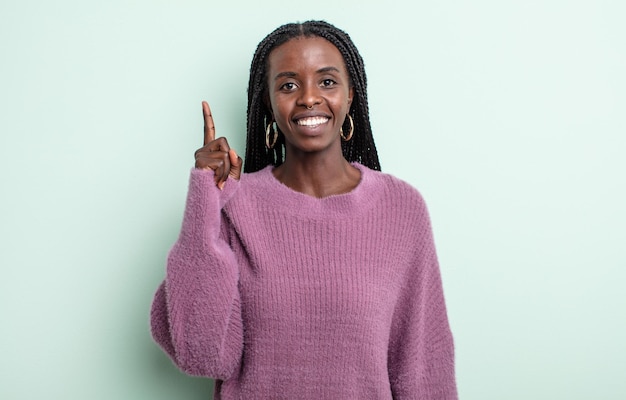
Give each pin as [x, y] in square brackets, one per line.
[360, 148]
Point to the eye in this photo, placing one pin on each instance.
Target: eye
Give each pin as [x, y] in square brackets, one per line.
[288, 87]
[328, 82]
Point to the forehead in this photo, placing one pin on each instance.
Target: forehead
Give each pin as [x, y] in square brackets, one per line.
[303, 53]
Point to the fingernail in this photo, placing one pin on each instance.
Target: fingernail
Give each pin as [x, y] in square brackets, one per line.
[221, 185]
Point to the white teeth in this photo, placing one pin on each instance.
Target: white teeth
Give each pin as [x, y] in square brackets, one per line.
[311, 121]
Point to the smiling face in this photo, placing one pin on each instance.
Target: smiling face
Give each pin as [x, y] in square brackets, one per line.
[309, 93]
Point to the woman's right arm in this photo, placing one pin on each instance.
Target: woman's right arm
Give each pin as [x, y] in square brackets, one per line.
[196, 315]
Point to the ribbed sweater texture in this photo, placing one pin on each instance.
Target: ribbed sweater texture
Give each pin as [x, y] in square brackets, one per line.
[280, 295]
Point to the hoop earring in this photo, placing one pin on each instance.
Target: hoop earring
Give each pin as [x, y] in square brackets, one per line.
[346, 138]
[267, 135]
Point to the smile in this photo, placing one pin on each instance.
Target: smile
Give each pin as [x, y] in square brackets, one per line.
[312, 121]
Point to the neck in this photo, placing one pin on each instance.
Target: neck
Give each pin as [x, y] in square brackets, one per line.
[318, 175]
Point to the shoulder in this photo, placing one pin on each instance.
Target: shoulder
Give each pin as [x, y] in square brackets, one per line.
[253, 186]
[254, 183]
[260, 174]
[402, 206]
[391, 189]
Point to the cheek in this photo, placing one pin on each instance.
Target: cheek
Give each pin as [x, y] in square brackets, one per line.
[281, 115]
[341, 104]
[275, 107]
[344, 100]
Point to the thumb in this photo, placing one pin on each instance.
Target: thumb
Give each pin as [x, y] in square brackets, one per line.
[235, 164]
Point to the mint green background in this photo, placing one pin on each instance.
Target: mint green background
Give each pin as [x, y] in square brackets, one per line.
[509, 116]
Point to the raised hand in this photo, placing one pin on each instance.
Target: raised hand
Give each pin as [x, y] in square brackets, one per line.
[216, 154]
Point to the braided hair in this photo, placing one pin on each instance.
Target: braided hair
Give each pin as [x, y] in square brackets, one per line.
[360, 148]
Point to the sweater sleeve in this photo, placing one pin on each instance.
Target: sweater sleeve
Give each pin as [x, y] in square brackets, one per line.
[196, 314]
[421, 350]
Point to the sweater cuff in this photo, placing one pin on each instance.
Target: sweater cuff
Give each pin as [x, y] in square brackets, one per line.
[204, 181]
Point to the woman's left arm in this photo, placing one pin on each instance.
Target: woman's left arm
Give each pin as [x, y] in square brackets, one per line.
[421, 348]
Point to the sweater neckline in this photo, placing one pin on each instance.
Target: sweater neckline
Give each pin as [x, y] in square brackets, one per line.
[359, 167]
[337, 205]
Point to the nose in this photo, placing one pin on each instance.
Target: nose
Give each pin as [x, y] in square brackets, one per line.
[310, 96]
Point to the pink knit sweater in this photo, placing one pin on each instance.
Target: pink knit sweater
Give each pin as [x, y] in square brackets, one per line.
[280, 295]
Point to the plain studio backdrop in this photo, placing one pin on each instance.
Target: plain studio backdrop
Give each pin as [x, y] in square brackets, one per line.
[508, 116]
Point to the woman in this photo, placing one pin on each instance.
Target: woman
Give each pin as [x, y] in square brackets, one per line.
[311, 276]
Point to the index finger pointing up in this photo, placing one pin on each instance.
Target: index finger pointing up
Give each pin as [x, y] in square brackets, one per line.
[209, 126]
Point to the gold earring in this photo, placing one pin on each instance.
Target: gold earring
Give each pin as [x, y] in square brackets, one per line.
[267, 135]
[346, 138]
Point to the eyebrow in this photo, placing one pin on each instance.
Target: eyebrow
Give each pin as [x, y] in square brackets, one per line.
[289, 74]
